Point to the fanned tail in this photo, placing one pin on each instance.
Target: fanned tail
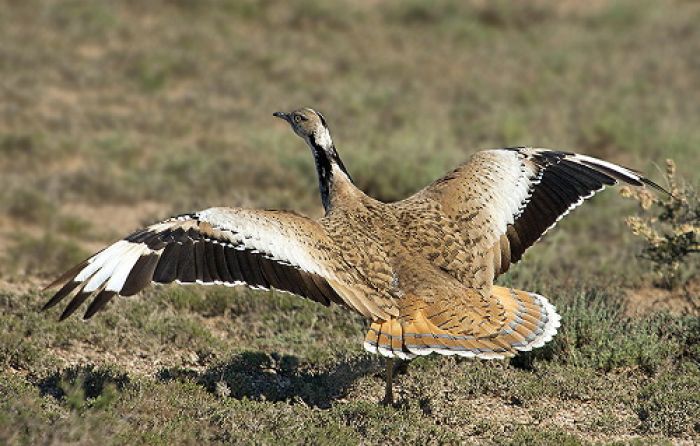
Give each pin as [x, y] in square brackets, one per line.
[529, 321]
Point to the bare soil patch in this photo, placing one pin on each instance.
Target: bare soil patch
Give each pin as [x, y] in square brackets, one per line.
[645, 300]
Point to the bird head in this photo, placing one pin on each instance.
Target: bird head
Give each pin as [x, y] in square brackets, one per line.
[310, 126]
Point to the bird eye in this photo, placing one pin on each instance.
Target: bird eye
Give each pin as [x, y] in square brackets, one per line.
[297, 118]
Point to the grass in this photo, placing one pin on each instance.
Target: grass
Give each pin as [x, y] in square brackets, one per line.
[196, 368]
[113, 115]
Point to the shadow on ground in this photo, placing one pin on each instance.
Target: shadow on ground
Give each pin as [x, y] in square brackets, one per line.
[274, 377]
[89, 380]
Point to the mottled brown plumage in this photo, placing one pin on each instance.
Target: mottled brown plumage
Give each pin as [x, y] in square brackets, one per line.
[421, 270]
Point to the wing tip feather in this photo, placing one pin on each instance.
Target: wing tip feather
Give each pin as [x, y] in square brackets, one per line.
[68, 275]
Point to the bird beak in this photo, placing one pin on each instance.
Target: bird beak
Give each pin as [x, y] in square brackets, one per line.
[281, 115]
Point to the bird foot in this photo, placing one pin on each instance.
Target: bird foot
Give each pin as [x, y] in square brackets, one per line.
[388, 400]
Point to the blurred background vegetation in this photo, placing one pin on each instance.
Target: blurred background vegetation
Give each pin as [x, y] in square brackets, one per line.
[117, 114]
[114, 114]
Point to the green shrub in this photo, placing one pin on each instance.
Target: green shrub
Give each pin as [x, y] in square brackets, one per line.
[672, 232]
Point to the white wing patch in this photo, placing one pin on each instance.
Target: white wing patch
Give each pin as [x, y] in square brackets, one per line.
[263, 236]
[512, 169]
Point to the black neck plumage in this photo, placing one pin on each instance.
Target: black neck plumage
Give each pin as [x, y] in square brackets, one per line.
[325, 160]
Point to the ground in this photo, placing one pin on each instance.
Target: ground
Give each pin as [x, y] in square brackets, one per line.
[114, 115]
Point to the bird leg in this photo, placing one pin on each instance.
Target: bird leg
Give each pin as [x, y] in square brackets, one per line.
[389, 394]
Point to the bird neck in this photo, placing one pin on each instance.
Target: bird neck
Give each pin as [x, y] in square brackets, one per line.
[329, 167]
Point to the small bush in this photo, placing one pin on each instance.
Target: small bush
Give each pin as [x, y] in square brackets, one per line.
[672, 235]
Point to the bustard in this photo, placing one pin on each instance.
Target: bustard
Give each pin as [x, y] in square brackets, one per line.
[421, 270]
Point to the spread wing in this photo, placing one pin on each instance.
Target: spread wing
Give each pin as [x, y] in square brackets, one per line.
[505, 200]
[229, 246]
